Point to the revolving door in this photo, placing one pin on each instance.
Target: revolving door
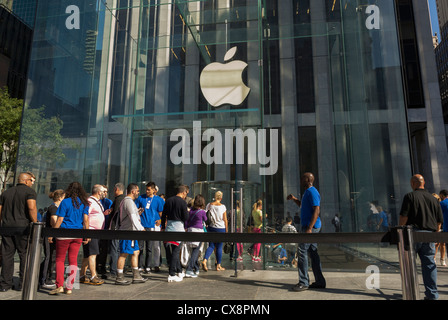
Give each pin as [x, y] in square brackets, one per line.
[239, 198]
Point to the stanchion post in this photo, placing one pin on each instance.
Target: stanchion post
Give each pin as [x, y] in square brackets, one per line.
[408, 266]
[32, 264]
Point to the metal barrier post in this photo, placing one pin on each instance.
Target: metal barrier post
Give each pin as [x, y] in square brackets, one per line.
[408, 266]
[32, 264]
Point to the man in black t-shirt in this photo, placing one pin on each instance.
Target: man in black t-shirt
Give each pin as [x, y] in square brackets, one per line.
[421, 210]
[17, 209]
[174, 216]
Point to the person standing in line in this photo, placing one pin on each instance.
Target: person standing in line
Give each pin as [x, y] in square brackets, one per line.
[423, 212]
[291, 248]
[92, 248]
[174, 216]
[152, 206]
[195, 223]
[101, 259]
[218, 223]
[129, 220]
[114, 224]
[310, 223]
[72, 213]
[49, 248]
[17, 209]
[257, 215]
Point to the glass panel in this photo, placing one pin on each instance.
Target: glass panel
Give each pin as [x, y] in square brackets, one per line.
[122, 92]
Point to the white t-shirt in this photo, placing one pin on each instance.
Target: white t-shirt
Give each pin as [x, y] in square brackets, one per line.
[217, 213]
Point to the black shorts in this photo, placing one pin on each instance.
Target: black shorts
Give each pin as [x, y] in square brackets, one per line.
[92, 248]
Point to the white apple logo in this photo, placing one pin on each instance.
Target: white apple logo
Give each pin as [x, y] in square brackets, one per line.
[223, 83]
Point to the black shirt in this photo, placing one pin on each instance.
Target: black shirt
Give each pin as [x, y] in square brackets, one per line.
[52, 209]
[15, 211]
[175, 209]
[422, 209]
[114, 213]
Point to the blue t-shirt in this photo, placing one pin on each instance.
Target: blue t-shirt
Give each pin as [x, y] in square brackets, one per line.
[152, 205]
[444, 205]
[383, 216]
[73, 217]
[106, 203]
[310, 199]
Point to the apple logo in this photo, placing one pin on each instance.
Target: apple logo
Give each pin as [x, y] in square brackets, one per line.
[222, 83]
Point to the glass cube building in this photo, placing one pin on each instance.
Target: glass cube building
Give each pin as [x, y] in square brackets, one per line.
[241, 96]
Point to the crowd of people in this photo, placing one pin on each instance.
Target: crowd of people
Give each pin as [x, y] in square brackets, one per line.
[74, 208]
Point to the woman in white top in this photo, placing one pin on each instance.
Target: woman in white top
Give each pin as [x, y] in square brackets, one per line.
[218, 223]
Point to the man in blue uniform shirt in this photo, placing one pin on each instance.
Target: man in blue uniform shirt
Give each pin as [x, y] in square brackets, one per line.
[152, 206]
[311, 223]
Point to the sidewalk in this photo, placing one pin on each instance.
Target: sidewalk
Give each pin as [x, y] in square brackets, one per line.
[247, 285]
[345, 275]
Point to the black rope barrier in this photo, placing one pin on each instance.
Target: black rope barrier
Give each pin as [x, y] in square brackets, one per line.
[329, 238]
[365, 237]
[221, 237]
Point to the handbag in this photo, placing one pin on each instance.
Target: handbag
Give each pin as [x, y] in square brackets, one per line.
[184, 254]
[209, 218]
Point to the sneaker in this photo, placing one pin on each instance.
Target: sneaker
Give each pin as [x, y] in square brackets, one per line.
[174, 279]
[190, 274]
[48, 286]
[181, 274]
[299, 287]
[121, 280]
[137, 278]
[155, 269]
[239, 259]
[196, 272]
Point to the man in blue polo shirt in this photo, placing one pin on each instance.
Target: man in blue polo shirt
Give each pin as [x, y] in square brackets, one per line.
[311, 223]
[152, 206]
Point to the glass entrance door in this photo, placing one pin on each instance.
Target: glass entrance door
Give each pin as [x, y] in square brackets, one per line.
[239, 198]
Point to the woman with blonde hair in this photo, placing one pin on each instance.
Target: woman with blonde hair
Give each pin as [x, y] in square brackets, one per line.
[218, 223]
[257, 216]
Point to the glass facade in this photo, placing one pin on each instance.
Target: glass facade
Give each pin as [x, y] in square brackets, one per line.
[239, 96]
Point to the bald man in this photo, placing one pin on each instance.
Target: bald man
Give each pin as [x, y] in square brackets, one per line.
[311, 223]
[17, 209]
[422, 211]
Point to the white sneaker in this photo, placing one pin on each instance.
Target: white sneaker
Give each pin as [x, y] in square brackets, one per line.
[181, 274]
[174, 279]
[190, 274]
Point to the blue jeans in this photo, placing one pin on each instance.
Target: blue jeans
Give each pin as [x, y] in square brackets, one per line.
[218, 245]
[426, 252]
[193, 264]
[114, 252]
[302, 263]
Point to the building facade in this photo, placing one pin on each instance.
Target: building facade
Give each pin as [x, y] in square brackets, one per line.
[15, 48]
[441, 51]
[239, 96]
